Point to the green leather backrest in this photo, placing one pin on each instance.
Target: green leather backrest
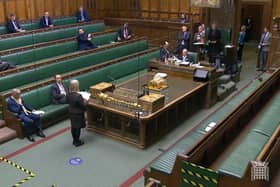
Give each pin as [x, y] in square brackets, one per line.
[35, 25]
[28, 56]
[44, 72]
[29, 39]
[194, 55]
[41, 97]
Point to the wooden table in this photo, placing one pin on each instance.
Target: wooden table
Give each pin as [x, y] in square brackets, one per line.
[183, 97]
[188, 72]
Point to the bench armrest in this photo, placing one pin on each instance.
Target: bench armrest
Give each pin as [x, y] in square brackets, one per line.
[14, 123]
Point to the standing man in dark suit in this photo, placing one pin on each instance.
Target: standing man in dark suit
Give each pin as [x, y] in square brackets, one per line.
[82, 15]
[249, 28]
[25, 114]
[214, 43]
[46, 21]
[13, 25]
[125, 33]
[183, 41]
[264, 49]
[241, 42]
[59, 91]
[77, 108]
[84, 40]
[164, 52]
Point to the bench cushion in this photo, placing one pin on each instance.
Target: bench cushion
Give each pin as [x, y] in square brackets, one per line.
[236, 164]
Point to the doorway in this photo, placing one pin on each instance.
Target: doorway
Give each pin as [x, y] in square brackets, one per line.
[255, 11]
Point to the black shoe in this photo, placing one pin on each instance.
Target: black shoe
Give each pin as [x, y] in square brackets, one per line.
[30, 138]
[41, 134]
[78, 143]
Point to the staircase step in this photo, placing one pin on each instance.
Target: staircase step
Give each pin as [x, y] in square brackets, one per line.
[224, 79]
[2, 123]
[7, 134]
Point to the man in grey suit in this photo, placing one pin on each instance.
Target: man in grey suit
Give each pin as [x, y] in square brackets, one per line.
[264, 48]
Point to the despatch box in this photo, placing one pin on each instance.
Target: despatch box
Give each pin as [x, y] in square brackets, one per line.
[151, 102]
[101, 87]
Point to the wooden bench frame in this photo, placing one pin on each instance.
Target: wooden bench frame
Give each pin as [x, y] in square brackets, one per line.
[13, 122]
[209, 146]
[11, 35]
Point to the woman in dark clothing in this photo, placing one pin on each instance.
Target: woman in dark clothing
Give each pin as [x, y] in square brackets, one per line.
[77, 107]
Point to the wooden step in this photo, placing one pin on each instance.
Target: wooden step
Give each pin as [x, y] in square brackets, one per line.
[2, 123]
[7, 134]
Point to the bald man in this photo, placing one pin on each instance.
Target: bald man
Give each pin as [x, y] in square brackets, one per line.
[185, 57]
[31, 121]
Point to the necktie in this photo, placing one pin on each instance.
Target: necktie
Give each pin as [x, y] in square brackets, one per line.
[82, 16]
[15, 25]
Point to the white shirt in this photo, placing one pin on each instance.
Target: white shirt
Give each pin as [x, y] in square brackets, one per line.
[61, 89]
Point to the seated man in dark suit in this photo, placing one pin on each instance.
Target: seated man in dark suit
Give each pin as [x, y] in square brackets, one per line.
[6, 65]
[185, 57]
[26, 114]
[59, 91]
[124, 33]
[164, 52]
[13, 25]
[84, 40]
[82, 15]
[46, 21]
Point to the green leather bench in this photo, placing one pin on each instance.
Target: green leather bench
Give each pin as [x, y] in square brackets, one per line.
[165, 163]
[35, 25]
[236, 164]
[3, 29]
[194, 55]
[68, 65]
[40, 98]
[33, 55]
[226, 35]
[29, 39]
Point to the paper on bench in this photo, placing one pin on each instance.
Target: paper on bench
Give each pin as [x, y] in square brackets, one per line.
[85, 95]
[38, 112]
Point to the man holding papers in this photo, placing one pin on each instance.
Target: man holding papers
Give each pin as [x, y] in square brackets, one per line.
[29, 117]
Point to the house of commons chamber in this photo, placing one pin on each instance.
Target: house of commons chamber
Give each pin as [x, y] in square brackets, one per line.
[139, 93]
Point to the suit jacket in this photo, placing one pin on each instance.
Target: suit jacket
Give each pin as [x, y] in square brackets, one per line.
[56, 94]
[189, 59]
[164, 53]
[265, 40]
[83, 42]
[79, 16]
[121, 32]
[76, 103]
[214, 36]
[14, 107]
[184, 37]
[11, 27]
[43, 23]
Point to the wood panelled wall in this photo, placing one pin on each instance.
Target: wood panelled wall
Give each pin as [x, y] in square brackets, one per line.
[158, 9]
[34, 9]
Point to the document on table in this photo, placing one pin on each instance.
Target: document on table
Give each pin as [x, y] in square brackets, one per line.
[38, 112]
[85, 95]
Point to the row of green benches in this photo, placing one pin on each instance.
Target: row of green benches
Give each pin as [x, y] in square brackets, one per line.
[165, 163]
[51, 35]
[70, 64]
[254, 142]
[36, 25]
[40, 98]
[32, 55]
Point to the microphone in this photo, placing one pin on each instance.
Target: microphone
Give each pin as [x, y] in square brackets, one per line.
[112, 81]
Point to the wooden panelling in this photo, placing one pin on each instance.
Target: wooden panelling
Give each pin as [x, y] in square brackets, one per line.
[2, 13]
[34, 9]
